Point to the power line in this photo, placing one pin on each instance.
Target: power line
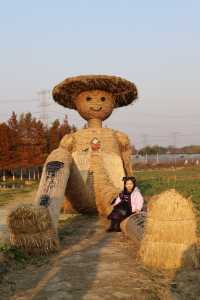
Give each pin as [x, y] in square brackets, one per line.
[53, 112]
[5, 101]
[168, 116]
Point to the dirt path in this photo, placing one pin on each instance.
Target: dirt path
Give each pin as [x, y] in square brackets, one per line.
[5, 209]
[95, 265]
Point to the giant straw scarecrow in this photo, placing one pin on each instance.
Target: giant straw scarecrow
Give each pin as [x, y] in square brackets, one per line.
[87, 167]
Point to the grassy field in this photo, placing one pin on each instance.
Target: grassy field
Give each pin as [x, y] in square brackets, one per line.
[81, 231]
[8, 195]
[184, 180]
[151, 182]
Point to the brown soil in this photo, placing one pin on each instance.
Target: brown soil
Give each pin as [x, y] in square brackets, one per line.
[95, 265]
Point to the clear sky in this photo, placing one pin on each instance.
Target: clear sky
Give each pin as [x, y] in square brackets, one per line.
[155, 44]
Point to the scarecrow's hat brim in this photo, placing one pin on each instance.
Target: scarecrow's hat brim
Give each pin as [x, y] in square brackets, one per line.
[124, 91]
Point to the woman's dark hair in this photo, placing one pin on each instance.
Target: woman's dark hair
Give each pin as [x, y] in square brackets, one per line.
[125, 179]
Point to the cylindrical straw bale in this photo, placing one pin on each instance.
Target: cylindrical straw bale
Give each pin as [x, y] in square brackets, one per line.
[133, 227]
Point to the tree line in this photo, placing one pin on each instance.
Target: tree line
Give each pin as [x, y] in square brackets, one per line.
[153, 150]
[25, 141]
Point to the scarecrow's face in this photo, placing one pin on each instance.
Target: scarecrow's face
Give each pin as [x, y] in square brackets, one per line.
[94, 104]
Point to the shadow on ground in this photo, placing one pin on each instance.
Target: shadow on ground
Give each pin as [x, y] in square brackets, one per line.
[95, 265]
[186, 281]
[70, 273]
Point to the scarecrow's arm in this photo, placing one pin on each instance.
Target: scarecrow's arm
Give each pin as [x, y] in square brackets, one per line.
[126, 152]
[68, 142]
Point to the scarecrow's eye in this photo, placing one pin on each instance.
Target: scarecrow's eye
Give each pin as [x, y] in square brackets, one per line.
[88, 98]
[103, 99]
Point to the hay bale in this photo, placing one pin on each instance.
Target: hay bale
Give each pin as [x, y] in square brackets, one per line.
[133, 227]
[170, 239]
[31, 230]
[29, 219]
[41, 243]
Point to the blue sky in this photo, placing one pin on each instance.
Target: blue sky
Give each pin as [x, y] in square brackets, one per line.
[156, 44]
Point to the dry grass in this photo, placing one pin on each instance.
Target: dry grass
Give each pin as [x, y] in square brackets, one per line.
[29, 219]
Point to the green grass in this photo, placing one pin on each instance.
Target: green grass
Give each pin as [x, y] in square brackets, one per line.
[151, 182]
[10, 194]
[184, 180]
[19, 258]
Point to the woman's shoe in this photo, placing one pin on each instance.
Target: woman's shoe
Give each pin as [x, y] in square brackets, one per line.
[110, 230]
[117, 227]
[112, 226]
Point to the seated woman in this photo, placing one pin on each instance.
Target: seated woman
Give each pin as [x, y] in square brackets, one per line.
[129, 201]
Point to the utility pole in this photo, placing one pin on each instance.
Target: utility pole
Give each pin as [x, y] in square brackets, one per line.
[44, 103]
[157, 158]
[174, 138]
[144, 142]
[174, 143]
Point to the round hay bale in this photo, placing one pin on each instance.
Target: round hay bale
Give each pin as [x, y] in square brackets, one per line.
[32, 231]
[29, 219]
[170, 239]
[41, 243]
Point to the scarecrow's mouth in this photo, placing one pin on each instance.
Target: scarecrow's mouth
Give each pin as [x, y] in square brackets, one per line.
[96, 109]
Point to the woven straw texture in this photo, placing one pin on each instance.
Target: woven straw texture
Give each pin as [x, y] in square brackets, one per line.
[124, 91]
[170, 239]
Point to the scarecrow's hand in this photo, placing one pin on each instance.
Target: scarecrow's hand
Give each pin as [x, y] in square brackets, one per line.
[126, 151]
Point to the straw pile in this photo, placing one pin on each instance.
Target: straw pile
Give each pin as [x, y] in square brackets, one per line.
[31, 230]
[170, 239]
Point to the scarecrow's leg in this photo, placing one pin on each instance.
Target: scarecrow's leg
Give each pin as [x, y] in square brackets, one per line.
[104, 188]
[34, 228]
[53, 183]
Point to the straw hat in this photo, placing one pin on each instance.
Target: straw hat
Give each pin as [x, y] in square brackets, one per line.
[124, 91]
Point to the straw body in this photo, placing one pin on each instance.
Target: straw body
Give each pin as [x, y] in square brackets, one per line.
[87, 168]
